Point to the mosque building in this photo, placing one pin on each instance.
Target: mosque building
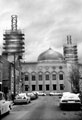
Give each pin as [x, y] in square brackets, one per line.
[50, 71]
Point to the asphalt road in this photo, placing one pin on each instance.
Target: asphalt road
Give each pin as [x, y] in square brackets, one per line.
[44, 108]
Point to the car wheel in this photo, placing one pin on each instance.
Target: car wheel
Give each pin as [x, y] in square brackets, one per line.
[9, 109]
[10, 106]
[61, 107]
[27, 102]
[8, 112]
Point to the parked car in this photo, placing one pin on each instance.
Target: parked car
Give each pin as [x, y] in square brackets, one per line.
[35, 93]
[32, 96]
[5, 105]
[63, 93]
[70, 100]
[58, 94]
[41, 94]
[22, 98]
[55, 94]
[51, 93]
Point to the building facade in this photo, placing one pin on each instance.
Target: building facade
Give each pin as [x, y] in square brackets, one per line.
[51, 70]
[49, 73]
[7, 76]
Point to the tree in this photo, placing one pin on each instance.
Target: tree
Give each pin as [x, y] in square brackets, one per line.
[75, 78]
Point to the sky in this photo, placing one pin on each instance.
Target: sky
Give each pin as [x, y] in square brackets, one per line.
[46, 24]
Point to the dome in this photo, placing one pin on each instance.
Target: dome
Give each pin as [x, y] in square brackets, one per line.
[50, 54]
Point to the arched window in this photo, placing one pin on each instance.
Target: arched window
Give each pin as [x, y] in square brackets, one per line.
[54, 76]
[33, 76]
[26, 76]
[40, 76]
[61, 76]
[47, 76]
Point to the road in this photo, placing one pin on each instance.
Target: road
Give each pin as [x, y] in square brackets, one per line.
[44, 108]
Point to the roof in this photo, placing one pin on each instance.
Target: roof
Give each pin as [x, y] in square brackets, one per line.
[50, 54]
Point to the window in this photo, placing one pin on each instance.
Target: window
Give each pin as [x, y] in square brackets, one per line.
[60, 67]
[33, 76]
[54, 86]
[60, 76]
[61, 87]
[40, 87]
[26, 87]
[47, 76]
[47, 87]
[53, 76]
[40, 76]
[26, 78]
[5, 89]
[33, 87]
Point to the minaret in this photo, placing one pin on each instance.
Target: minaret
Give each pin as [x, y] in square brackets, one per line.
[14, 40]
[70, 51]
[13, 46]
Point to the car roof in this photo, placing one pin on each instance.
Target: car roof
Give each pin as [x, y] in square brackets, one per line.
[70, 94]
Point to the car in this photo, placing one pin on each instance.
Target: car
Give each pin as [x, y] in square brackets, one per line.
[41, 94]
[22, 98]
[66, 93]
[51, 93]
[58, 94]
[5, 105]
[35, 93]
[55, 94]
[32, 95]
[63, 93]
[70, 100]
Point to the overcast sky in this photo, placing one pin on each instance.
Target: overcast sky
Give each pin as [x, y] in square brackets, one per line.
[46, 23]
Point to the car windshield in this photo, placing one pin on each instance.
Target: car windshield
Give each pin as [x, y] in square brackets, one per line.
[0, 96]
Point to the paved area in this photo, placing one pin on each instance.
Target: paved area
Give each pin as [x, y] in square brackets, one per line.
[44, 108]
